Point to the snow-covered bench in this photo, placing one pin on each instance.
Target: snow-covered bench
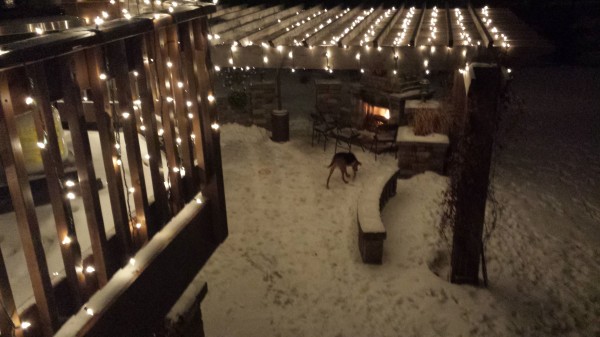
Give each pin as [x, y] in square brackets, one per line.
[371, 231]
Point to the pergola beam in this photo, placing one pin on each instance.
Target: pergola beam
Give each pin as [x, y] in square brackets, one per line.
[449, 34]
[486, 37]
[333, 26]
[224, 11]
[240, 21]
[257, 25]
[417, 31]
[270, 30]
[304, 27]
[388, 27]
[239, 13]
[360, 27]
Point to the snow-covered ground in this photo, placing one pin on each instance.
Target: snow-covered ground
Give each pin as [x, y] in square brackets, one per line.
[291, 267]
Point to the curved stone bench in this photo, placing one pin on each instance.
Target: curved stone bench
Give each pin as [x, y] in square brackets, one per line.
[371, 231]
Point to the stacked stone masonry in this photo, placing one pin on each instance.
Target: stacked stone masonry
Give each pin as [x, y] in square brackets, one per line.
[417, 157]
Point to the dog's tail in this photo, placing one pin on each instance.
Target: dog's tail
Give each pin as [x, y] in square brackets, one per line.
[359, 163]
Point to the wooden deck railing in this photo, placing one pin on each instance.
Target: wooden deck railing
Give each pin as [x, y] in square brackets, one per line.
[149, 82]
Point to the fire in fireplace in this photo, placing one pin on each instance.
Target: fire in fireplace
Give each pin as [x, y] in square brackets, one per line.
[370, 109]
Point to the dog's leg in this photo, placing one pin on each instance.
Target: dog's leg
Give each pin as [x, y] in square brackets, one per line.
[344, 173]
[330, 173]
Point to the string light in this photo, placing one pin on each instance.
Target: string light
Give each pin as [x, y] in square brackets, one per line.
[28, 100]
[90, 269]
[88, 311]
[69, 183]
[25, 325]
[406, 23]
[70, 195]
[66, 241]
[103, 76]
[215, 126]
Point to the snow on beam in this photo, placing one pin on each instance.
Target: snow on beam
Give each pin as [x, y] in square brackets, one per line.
[224, 11]
[327, 30]
[240, 21]
[360, 27]
[236, 15]
[258, 24]
[388, 27]
[481, 29]
[304, 27]
[417, 30]
[267, 31]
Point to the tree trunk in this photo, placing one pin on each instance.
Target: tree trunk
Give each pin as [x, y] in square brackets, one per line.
[471, 194]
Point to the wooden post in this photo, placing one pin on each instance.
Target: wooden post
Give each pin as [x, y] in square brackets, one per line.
[471, 194]
[117, 61]
[22, 200]
[53, 168]
[99, 94]
[136, 47]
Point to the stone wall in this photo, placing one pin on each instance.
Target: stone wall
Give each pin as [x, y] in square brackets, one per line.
[262, 101]
[417, 154]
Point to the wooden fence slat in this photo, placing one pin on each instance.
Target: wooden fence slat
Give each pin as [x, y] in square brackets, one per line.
[85, 170]
[118, 68]
[191, 78]
[53, 168]
[100, 97]
[136, 47]
[215, 185]
[22, 200]
[206, 116]
[160, 61]
[185, 146]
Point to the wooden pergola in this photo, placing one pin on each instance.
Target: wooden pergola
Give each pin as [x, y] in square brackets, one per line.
[425, 38]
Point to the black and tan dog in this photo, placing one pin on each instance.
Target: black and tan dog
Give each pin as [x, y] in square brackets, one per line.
[342, 160]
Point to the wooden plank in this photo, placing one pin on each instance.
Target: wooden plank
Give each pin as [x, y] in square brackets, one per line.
[136, 47]
[258, 24]
[417, 31]
[326, 32]
[160, 63]
[239, 13]
[223, 11]
[239, 21]
[360, 27]
[53, 168]
[85, 170]
[485, 35]
[94, 62]
[191, 78]
[117, 62]
[207, 113]
[22, 200]
[9, 317]
[383, 34]
[184, 142]
[278, 27]
[299, 31]
[215, 187]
